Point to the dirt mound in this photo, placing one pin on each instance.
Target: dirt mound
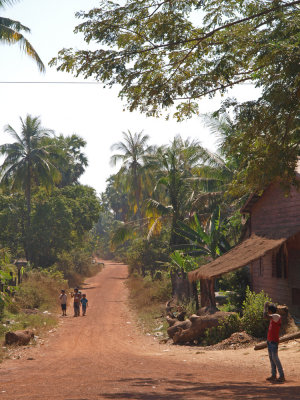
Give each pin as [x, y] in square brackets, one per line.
[235, 341]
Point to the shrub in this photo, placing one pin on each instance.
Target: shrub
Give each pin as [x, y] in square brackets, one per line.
[145, 291]
[2, 304]
[227, 327]
[40, 289]
[253, 321]
[75, 266]
[146, 256]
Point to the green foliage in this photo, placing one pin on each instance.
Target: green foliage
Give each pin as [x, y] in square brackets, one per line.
[146, 256]
[181, 262]
[2, 305]
[60, 221]
[253, 321]
[174, 51]
[236, 284]
[75, 265]
[133, 153]
[70, 160]
[265, 137]
[210, 241]
[227, 327]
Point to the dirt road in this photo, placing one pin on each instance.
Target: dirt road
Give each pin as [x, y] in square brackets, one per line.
[105, 356]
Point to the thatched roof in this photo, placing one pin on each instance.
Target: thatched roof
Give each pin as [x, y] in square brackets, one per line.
[241, 255]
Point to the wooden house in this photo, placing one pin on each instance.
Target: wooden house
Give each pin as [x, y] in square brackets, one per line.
[271, 248]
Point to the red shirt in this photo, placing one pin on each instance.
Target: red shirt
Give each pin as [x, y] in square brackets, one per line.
[274, 328]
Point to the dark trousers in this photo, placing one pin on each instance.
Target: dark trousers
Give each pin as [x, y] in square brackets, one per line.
[76, 309]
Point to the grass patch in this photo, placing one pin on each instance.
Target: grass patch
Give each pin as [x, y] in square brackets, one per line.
[147, 297]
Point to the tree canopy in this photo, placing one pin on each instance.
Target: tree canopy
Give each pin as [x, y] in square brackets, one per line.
[169, 51]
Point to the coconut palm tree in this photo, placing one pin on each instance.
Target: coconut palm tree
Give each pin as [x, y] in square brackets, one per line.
[174, 167]
[10, 33]
[28, 160]
[134, 154]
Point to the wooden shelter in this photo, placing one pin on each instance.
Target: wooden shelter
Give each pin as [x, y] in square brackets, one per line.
[271, 248]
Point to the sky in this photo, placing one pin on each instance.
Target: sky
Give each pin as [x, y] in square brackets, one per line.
[89, 110]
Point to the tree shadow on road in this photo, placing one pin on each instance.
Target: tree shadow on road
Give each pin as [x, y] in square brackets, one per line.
[163, 389]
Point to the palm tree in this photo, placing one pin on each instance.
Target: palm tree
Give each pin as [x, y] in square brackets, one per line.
[134, 154]
[174, 169]
[28, 160]
[10, 33]
[69, 158]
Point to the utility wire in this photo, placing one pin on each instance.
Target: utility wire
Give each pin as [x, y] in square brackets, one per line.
[48, 82]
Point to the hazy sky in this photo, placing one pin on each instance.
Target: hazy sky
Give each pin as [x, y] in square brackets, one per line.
[94, 113]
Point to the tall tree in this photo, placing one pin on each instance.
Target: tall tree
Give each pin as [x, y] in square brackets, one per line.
[70, 159]
[164, 52]
[174, 167]
[28, 160]
[134, 152]
[10, 33]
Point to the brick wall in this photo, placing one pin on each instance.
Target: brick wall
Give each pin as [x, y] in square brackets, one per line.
[275, 211]
[279, 289]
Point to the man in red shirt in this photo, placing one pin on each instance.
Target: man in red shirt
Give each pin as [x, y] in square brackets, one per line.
[273, 340]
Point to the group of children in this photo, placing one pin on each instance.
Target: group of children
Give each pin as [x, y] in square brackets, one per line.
[80, 300]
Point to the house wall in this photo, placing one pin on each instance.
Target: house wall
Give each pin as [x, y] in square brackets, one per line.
[276, 212]
[279, 289]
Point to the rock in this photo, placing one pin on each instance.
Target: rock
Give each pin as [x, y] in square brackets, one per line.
[21, 338]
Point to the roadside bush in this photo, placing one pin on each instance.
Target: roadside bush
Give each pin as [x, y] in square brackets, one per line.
[75, 266]
[253, 321]
[145, 291]
[2, 304]
[146, 256]
[39, 289]
[227, 327]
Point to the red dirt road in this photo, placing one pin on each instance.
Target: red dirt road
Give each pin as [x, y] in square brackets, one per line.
[105, 356]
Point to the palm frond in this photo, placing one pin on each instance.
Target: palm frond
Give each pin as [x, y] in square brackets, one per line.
[11, 36]
[121, 234]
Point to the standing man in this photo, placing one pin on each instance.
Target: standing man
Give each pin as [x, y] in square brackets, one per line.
[77, 296]
[273, 341]
[63, 302]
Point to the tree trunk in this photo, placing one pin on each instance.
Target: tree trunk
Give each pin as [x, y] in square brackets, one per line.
[207, 293]
[182, 289]
[28, 214]
[194, 327]
[137, 194]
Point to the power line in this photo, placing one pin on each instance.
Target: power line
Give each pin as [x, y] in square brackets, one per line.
[50, 83]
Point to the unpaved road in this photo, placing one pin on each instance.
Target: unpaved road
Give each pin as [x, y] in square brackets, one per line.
[105, 356]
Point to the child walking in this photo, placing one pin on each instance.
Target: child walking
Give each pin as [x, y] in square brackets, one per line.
[77, 296]
[84, 304]
[63, 303]
[273, 341]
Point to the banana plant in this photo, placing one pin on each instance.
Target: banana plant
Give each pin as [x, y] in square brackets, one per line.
[209, 241]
